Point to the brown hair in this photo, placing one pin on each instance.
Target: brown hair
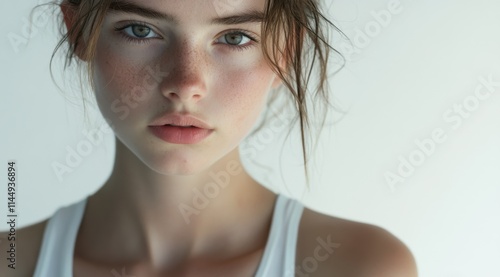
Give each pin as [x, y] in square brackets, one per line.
[300, 24]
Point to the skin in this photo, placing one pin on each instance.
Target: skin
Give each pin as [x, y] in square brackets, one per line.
[224, 87]
[134, 221]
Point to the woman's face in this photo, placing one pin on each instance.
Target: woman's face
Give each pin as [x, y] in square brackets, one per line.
[187, 62]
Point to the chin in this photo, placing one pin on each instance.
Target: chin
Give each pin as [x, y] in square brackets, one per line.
[177, 163]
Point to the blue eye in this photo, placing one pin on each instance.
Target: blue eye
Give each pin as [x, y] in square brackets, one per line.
[237, 39]
[137, 32]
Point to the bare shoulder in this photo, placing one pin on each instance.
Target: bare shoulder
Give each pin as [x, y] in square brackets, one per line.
[27, 244]
[331, 246]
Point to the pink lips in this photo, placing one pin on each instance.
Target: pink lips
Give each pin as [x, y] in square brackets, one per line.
[180, 120]
[180, 128]
[180, 135]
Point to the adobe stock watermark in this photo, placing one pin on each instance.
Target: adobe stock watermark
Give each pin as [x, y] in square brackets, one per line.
[84, 148]
[29, 30]
[322, 252]
[94, 138]
[455, 117]
[201, 199]
[364, 36]
[139, 93]
[258, 142]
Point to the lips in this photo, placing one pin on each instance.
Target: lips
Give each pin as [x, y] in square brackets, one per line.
[180, 128]
[180, 135]
[179, 125]
[180, 120]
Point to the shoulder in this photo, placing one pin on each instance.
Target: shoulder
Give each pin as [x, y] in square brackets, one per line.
[331, 246]
[27, 246]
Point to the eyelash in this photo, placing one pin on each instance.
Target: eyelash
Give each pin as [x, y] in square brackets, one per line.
[148, 40]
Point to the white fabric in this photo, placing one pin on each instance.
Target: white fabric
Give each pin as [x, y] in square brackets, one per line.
[57, 249]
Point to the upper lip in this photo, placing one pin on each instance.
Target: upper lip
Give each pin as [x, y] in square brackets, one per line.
[180, 120]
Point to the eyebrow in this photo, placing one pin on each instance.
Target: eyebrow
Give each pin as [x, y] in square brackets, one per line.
[128, 7]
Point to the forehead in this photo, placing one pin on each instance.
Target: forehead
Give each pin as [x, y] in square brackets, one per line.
[201, 11]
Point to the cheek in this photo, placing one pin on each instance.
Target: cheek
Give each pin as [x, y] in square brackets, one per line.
[245, 93]
[120, 85]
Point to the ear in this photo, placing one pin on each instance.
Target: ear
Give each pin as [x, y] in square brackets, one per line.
[69, 11]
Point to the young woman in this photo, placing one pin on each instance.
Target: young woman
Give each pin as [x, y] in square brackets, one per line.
[181, 83]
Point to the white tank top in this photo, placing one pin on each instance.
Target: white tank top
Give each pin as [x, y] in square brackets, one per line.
[57, 249]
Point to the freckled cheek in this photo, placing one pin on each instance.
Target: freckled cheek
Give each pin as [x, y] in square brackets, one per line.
[118, 84]
[246, 93]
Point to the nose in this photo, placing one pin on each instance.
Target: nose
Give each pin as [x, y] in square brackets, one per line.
[187, 78]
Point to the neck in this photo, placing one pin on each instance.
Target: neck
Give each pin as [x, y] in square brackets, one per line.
[144, 216]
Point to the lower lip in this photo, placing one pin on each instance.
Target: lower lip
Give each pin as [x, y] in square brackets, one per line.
[180, 135]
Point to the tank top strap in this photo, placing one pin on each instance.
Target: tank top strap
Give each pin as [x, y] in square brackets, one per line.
[56, 253]
[279, 255]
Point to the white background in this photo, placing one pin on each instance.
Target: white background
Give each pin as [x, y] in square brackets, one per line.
[396, 88]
